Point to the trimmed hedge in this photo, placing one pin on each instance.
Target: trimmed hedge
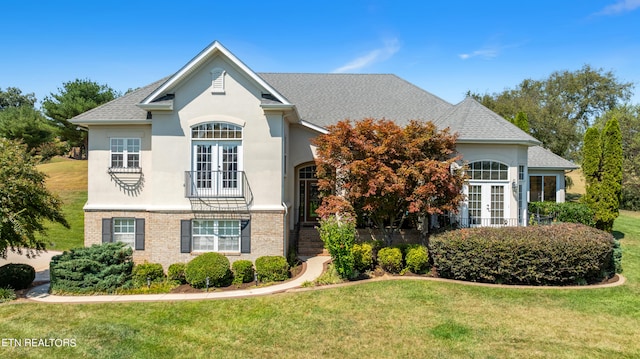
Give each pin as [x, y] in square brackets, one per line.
[213, 265]
[417, 259]
[390, 259]
[562, 254]
[176, 272]
[99, 268]
[272, 268]
[242, 271]
[141, 272]
[16, 276]
[566, 212]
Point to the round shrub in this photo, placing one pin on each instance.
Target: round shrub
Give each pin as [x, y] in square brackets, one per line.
[362, 256]
[212, 265]
[561, 254]
[144, 271]
[417, 259]
[390, 259]
[16, 276]
[272, 268]
[176, 272]
[242, 271]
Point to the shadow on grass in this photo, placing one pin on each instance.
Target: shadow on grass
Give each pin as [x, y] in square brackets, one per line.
[618, 235]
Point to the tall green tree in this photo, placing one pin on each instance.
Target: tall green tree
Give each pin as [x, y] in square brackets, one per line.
[561, 107]
[25, 201]
[629, 119]
[522, 121]
[74, 98]
[602, 166]
[13, 97]
[27, 124]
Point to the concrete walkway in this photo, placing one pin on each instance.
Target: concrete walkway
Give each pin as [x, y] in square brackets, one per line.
[314, 267]
[40, 262]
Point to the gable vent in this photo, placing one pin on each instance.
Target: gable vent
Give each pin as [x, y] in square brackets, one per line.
[217, 80]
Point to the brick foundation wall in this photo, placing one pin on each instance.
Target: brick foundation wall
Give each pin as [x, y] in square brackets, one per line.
[162, 235]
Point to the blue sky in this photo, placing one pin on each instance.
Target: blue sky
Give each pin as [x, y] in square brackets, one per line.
[445, 47]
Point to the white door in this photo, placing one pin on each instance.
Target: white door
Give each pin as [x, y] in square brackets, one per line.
[217, 169]
[488, 204]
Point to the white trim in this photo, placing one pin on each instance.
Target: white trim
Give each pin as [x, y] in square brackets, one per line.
[111, 122]
[199, 59]
[163, 106]
[314, 127]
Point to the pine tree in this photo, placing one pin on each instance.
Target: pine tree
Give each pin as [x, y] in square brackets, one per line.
[602, 168]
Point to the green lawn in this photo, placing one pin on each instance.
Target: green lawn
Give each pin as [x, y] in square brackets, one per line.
[392, 319]
[67, 179]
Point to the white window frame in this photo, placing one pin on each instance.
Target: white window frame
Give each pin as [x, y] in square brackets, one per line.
[210, 235]
[127, 154]
[124, 230]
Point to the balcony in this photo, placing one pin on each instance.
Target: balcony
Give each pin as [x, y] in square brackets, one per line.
[217, 184]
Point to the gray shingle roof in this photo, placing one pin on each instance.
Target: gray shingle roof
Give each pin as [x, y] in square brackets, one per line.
[541, 158]
[474, 122]
[324, 99]
[122, 108]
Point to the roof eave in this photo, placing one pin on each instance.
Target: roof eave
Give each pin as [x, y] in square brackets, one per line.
[316, 128]
[111, 122]
[500, 141]
[547, 168]
[166, 106]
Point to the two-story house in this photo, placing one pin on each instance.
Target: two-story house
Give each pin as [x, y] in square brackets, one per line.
[218, 158]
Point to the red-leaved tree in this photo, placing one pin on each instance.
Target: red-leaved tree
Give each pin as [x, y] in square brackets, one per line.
[385, 171]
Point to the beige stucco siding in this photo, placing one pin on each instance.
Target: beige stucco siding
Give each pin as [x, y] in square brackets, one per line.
[123, 190]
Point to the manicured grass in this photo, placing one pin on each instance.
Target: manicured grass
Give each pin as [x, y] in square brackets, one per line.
[391, 319]
[68, 180]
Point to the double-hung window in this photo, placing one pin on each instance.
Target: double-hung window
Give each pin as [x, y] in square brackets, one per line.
[124, 230]
[125, 153]
[216, 235]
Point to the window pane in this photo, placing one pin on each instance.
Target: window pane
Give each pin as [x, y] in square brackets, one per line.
[535, 188]
[124, 230]
[550, 188]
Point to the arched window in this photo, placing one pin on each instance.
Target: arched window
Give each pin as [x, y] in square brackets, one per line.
[216, 130]
[488, 171]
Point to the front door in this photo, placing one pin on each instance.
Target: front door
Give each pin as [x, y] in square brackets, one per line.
[312, 201]
[216, 167]
[308, 194]
[488, 204]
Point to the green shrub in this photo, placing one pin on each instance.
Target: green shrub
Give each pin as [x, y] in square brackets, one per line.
[566, 212]
[99, 268]
[560, 254]
[176, 272]
[272, 268]
[417, 259]
[390, 259]
[7, 294]
[362, 256]
[16, 275]
[144, 271]
[213, 265]
[242, 271]
[330, 276]
[339, 237]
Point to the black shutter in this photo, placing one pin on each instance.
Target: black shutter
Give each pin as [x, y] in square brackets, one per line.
[245, 236]
[185, 236]
[139, 234]
[106, 230]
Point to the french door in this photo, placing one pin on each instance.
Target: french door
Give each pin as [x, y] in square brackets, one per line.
[216, 168]
[488, 204]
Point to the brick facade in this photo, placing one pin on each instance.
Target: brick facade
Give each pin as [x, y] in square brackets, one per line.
[162, 235]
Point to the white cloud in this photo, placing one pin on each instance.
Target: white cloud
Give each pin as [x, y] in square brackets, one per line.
[620, 7]
[390, 47]
[484, 53]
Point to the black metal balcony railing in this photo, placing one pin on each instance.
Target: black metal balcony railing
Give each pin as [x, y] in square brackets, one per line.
[217, 184]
